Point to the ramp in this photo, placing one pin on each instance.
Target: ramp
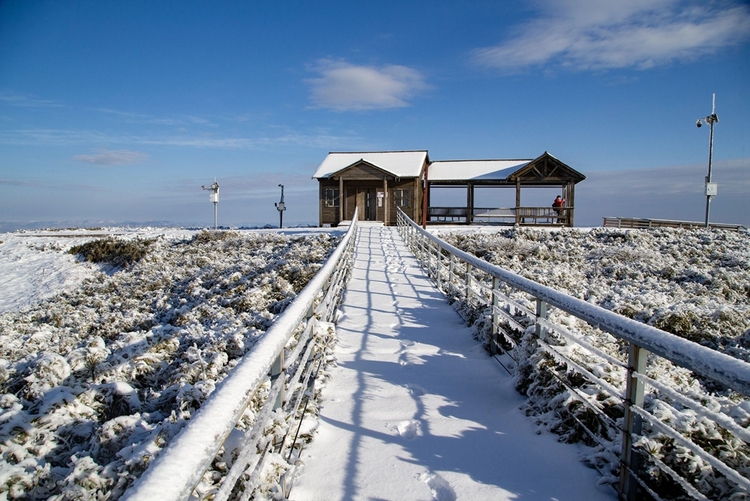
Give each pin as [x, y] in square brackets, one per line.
[415, 408]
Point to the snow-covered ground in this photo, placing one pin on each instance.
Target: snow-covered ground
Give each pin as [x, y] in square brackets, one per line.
[100, 367]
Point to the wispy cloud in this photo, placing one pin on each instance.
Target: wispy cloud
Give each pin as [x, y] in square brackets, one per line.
[11, 98]
[58, 137]
[168, 121]
[606, 34]
[733, 176]
[346, 87]
[113, 157]
[67, 137]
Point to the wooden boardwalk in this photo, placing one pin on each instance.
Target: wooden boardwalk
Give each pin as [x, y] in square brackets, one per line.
[415, 408]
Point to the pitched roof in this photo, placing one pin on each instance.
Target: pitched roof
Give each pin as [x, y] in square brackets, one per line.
[398, 163]
[471, 170]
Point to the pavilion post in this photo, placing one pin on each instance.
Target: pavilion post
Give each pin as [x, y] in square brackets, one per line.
[518, 201]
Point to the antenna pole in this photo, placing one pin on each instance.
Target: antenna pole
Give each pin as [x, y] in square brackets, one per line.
[214, 197]
[281, 207]
[713, 118]
[711, 188]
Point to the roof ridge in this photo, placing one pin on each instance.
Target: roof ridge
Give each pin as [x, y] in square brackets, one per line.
[364, 152]
[487, 160]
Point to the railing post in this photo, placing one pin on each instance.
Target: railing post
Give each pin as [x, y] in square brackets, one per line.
[438, 265]
[632, 422]
[430, 267]
[276, 369]
[495, 326]
[468, 283]
[541, 312]
[450, 271]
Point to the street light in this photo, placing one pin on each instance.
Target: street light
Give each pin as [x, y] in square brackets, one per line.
[711, 188]
[281, 207]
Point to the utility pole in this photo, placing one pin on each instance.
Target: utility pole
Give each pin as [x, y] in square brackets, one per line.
[711, 188]
[214, 197]
[281, 207]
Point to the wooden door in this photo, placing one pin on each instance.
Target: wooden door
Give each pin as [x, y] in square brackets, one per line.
[367, 204]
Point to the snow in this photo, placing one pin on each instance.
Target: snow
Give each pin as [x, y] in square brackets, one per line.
[99, 376]
[458, 170]
[415, 409]
[398, 163]
[100, 368]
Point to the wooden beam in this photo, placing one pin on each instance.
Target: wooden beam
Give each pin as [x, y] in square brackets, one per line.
[386, 203]
[469, 202]
[342, 200]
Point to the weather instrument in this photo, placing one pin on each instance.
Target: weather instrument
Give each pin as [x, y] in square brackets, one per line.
[711, 188]
[281, 207]
[214, 197]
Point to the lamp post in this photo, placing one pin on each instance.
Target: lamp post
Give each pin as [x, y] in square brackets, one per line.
[214, 197]
[711, 188]
[281, 207]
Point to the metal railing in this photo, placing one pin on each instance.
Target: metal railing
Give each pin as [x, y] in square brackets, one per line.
[272, 380]
[487, 289]
[644, 223]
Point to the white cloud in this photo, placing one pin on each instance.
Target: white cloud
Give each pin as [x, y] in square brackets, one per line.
[604, 34]
[347, 87]
[113, 157]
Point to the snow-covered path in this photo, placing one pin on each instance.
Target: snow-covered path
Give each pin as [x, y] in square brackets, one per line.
[416, 410]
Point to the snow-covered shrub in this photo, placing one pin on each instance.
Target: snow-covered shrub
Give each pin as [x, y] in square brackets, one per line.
[117, 253]
[95, 381]
[692, 283]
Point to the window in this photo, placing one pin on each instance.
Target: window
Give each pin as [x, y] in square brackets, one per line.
[332, 197]
[403, 197]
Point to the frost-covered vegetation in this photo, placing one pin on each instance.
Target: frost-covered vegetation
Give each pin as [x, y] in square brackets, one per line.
[695, 284]
[96, 380]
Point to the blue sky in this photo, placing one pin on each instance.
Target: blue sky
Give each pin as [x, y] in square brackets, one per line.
[120, 111]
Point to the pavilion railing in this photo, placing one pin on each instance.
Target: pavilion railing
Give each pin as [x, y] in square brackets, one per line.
[271, 384]
[512, 215]
[516, 307]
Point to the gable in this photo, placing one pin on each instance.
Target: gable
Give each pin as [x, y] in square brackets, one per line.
[363, 171]
[546, 169]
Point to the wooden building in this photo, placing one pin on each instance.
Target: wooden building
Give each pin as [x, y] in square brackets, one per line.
[375, 182]
[378, 182]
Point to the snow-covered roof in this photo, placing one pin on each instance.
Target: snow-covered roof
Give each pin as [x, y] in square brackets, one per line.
[465, 170]
[398, 163]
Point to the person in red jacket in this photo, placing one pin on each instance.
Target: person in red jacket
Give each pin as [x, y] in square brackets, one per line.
[558, 204]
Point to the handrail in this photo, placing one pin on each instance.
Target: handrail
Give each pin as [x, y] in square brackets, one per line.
[642, 339]
[180, 467]
[704, 361]
[647, 223]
